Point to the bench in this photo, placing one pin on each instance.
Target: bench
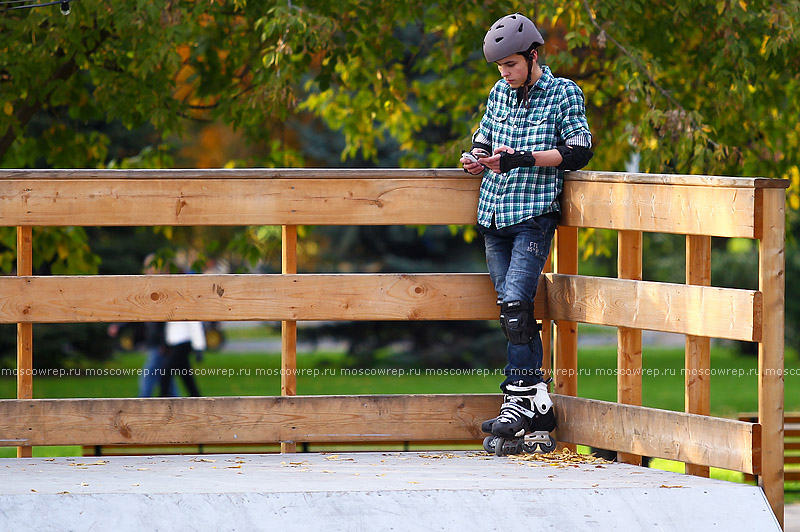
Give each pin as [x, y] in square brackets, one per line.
[791, 442]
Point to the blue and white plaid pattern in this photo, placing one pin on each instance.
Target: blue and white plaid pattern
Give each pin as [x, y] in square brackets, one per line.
[556, 115]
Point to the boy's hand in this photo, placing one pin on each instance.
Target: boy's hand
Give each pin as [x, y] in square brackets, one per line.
[493, 162]
[472, 162]
[469, 161]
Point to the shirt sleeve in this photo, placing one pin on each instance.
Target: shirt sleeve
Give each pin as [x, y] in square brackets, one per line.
[483, 135]
[574, 126]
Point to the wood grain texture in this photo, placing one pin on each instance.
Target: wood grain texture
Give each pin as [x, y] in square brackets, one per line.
[272, 297]
[690, 438]
[629, 341]
[566, 330]
[288, 328]
[235, 173]
[376, 173]
[772, 283]
[675, 179]
[24, 330]
[697, 310]
[713, 211]
[245, 419]
[673, 435]
[308, 201]
[697, 382]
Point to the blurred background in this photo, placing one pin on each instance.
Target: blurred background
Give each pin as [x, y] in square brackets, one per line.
[681, 87]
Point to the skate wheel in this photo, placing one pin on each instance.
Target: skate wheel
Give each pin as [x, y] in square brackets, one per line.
[498, 446]
[529, 448]
[489, 444]
[549, 446]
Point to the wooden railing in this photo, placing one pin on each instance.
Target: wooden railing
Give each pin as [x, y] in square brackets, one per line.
[697, 206]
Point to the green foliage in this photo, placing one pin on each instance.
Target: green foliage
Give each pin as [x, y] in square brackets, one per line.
[58, 250]
[691, 86]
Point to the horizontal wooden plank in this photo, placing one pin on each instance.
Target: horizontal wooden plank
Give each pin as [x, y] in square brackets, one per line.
[200, 201]
[700, 205]
[377, 173]
[695, 310]
[691, 210]
[676, 179]
[243, 420]
[690, 438]
[270, 297]
[789, 418]
[791, 476]
[646, 431]
[235, 173]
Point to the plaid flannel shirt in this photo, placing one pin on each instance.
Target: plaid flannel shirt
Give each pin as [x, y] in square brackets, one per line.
[556, 116]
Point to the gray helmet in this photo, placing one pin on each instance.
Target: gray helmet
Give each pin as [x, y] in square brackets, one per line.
[512, 34]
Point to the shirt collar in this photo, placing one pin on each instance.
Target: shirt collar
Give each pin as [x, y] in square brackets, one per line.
[545, 80]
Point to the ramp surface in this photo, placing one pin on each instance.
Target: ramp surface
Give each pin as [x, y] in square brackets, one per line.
[402, 491]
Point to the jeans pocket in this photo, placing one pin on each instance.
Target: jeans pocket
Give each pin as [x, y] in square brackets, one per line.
[540, 230]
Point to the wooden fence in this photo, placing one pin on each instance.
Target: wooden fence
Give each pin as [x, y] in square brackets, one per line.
[697, 206]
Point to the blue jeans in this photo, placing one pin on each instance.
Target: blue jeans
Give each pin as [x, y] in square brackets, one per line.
[151, 376]
[516, 256]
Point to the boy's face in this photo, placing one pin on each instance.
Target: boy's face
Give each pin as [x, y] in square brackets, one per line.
[513, 69]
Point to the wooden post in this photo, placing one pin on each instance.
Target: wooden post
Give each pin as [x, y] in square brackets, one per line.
[629, 341]
[547, 350]
[288, 328]
[772, 282]
[698, 348]
[24, 330]
[566, 332]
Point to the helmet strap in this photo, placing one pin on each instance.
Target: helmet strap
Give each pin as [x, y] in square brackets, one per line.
[526, 86]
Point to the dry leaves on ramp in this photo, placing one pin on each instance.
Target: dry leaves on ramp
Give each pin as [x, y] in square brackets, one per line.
[562, 458]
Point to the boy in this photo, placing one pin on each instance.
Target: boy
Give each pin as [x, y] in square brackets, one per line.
[533, 130]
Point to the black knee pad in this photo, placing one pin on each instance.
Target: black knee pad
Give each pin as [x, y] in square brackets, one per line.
[517, 322]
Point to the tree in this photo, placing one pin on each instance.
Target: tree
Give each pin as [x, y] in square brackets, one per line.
[693, 86]
[690, 86]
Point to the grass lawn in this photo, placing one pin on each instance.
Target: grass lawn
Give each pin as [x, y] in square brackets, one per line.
[733, 384]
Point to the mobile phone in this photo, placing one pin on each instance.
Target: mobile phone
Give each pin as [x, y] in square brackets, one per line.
[474, 157]
[467, 155]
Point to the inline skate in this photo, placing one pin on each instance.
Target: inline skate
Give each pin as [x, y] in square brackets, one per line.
[525, 421]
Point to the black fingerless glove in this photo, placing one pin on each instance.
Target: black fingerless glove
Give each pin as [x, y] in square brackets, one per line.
[518, 159]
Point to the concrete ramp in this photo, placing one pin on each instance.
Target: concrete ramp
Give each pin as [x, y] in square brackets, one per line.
[402, 491]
